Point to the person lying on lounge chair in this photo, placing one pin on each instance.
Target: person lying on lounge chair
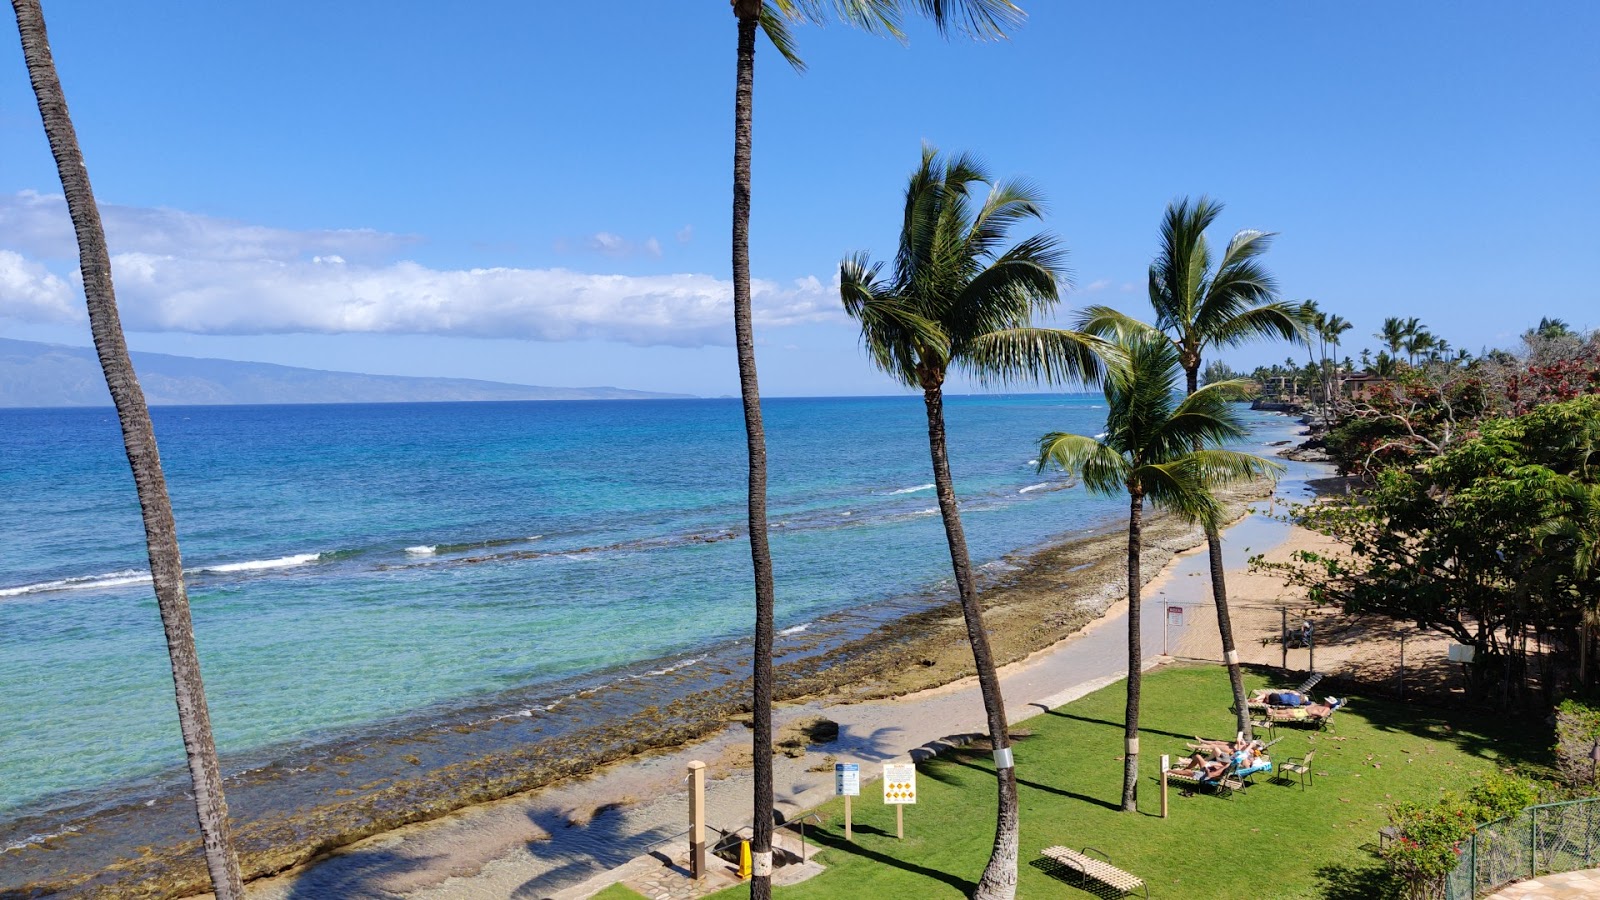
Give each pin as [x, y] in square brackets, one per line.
[1200, 768]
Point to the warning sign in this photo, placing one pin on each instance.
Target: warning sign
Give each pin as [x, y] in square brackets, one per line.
[899, 783]
[1174, 615]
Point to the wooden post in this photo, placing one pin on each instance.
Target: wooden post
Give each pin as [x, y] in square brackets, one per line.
[1165, 764]
[900, 821]
[1283, 637]
[697, 819]
[848, 835]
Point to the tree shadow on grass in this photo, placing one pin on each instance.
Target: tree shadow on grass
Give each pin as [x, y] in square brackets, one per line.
[956, 759]
[1143, 729]
[836, 841]
[1523, 741]
[1357, 881]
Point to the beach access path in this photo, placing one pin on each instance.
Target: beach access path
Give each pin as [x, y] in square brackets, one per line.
[560, 842]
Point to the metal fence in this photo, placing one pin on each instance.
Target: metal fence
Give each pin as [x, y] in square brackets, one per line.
[1540, 840]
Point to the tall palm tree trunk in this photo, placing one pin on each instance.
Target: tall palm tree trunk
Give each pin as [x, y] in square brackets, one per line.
[1219, 594]
[1130, 734]
[139, 440]
[999, 880]
[755, 435]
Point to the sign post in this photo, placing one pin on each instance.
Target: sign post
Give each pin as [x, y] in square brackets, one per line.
[847, 784]
[899, 790]
[1166, 763]
[697, 819]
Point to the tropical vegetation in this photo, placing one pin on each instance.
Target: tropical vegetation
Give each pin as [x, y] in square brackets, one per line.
[1163, 449]
[1200, 310]
[959, 296]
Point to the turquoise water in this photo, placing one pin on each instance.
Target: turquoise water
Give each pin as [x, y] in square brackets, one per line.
[353, 564]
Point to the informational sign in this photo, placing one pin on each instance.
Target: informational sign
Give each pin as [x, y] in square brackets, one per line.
[899, 783]
[1174, 615]
[846, 779]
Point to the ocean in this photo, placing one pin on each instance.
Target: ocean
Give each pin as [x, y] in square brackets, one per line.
[357, 569]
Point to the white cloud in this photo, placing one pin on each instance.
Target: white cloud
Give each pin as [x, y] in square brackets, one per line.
[30, 291]
[1097, 285]
[685, 234]
[37, 224]
[619, 247]
[181, 272]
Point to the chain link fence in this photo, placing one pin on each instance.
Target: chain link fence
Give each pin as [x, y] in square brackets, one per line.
[1540, 840]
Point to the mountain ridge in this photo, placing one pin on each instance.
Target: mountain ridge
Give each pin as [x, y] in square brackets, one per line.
[34, 374]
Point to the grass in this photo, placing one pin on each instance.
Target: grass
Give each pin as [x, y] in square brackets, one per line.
[618, 892]
[1273, 841]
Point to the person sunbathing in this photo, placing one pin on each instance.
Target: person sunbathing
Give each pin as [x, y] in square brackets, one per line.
[1200, 768]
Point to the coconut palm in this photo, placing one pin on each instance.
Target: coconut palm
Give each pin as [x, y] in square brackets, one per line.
[139, 440]
[980, 18]
[1200, 309]
[959, 297]
[1159, 448]
[1393, 334]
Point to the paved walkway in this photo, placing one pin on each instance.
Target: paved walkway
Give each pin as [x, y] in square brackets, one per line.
[1583, 885]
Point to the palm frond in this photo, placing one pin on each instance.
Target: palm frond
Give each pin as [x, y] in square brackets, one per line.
[1043, 355]
[1180, 487]
[774, 23]
[980, 19]
[897, 339]
[1108, 322]
[1278, 319]
[1104, 471]
[1228, 466]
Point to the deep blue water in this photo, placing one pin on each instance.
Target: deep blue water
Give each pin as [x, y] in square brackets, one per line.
[349, 564]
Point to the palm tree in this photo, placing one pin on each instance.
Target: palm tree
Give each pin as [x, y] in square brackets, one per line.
[1199, 309]
[1393, 334]
[1155, 447]
[981, 18]
[1328, 331]
[958, 297]
[1366, 359]
[139, 441]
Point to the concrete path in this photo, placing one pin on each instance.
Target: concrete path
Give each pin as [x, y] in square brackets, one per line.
[1583, 885]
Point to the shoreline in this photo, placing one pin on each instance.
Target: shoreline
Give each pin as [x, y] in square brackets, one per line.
[536, 840]
[919, 644]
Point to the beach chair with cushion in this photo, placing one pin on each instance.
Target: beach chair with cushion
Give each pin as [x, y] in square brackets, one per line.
[1085, 868]
[1226, 782]
[1301, 766]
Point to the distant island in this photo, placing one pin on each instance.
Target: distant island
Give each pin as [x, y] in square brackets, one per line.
[44, 375]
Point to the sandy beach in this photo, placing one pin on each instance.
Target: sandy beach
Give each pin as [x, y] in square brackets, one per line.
[897, 696]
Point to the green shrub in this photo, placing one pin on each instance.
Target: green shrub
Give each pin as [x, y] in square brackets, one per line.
[1577, 729]
[1432, 835]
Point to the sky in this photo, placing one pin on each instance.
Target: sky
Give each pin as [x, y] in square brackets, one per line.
[540, 193]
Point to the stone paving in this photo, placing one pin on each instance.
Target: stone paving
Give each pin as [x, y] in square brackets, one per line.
[1584, 885]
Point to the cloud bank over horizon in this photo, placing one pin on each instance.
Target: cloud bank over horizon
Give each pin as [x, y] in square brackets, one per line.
[178, 271]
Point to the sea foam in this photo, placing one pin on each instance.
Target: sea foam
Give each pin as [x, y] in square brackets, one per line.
[79, 583]
[282, 562]
[913, 490]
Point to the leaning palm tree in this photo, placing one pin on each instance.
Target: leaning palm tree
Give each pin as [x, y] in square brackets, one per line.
[980, 18]
[959, 297]
[1163, 449]
[139, 440]
[1200, 309]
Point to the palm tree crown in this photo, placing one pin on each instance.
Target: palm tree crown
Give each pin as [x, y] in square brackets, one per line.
[958, 296]
[1151, 434]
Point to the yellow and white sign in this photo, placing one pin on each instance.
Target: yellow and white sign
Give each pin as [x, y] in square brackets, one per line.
[899, 783]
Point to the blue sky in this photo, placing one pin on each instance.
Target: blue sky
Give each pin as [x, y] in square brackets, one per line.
[539, 192]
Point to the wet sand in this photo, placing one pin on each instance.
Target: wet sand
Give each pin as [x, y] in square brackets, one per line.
[1058, 620]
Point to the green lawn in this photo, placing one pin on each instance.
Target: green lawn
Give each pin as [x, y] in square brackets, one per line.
[1272, 841]
[618, 892]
